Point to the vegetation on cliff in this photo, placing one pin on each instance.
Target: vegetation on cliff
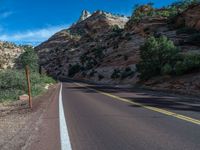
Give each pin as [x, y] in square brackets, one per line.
[162, 42]
[147, 10]
[159, 56]
[156, 54]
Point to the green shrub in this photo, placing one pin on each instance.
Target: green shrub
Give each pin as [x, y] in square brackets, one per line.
[171, 11]
[160, 57]
[98, 53]
[128, 36]
[127, 72]
[84, 57]
[117, 29]
[179, 6]
[92, 73]
[13, 84]
[166, 69]
[116, 74]
[90, 63]
[179, 68]
[183, 4]
[12, 79]
[164, 13]
[190, 63]
[30, 58]
[37, 89]
[47, 79]
[100, 77]
[38, 83]
[155, 53]
[10, 94]
[141, 11]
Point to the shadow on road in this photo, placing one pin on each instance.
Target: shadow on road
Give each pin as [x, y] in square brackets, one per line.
[147, 97]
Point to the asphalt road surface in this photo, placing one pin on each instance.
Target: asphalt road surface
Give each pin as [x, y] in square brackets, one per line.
[97, 121]
[108, 118]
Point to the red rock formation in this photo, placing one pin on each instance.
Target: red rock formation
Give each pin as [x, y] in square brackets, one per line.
[190, 17]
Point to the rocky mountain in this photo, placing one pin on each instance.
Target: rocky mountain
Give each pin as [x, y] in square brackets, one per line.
[9, 52]
[105, 48]
[85, 14]
[97, 34]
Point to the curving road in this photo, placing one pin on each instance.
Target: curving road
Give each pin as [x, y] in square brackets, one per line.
[105, 118]
[97, 121]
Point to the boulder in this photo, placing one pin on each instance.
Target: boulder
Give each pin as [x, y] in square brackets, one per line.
[23, 97]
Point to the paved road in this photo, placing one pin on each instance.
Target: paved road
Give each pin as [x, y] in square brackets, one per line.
[100, 121]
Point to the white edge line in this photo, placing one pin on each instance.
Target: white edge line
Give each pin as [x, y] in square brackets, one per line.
[64, 135]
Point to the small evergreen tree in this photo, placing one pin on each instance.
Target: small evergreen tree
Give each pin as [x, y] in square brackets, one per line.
[30, 58]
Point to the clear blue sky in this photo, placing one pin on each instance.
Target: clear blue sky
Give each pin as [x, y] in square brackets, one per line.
[34, 21]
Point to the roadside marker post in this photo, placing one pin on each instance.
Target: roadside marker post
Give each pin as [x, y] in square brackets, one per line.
[29, 85]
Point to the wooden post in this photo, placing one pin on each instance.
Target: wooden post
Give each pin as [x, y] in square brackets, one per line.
[29, 85]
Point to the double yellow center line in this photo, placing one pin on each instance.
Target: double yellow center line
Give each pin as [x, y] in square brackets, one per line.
[162, 111]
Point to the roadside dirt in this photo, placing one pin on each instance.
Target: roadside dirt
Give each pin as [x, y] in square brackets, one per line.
[188, 84]
[18, 122]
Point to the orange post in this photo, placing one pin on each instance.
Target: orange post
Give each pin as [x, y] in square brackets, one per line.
[29, 85]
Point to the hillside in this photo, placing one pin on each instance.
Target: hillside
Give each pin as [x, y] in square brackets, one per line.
[95, 34]
[105, 48]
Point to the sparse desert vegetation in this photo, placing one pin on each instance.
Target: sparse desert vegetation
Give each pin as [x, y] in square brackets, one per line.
[13, 82]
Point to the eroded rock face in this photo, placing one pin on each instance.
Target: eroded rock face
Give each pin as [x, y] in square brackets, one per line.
[8, 55]
[66, 47]
[102, 43]
[146, 25]
[98, 22]
[85, 14]
[190, 18]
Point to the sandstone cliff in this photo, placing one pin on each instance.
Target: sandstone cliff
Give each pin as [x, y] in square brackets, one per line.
[97, 39]
[85, 14]
[190, 18]
[8, 54]
[103, 47]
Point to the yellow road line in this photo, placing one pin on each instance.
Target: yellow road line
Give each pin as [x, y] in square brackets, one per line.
[162, 111]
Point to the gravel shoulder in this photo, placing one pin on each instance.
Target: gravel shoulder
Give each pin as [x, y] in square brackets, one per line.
[18, 122]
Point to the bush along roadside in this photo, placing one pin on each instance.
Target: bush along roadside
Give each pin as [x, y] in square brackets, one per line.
[159, 56]
[13, 82]
[122, 74]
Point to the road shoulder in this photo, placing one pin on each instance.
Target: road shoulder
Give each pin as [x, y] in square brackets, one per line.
[18, 127]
